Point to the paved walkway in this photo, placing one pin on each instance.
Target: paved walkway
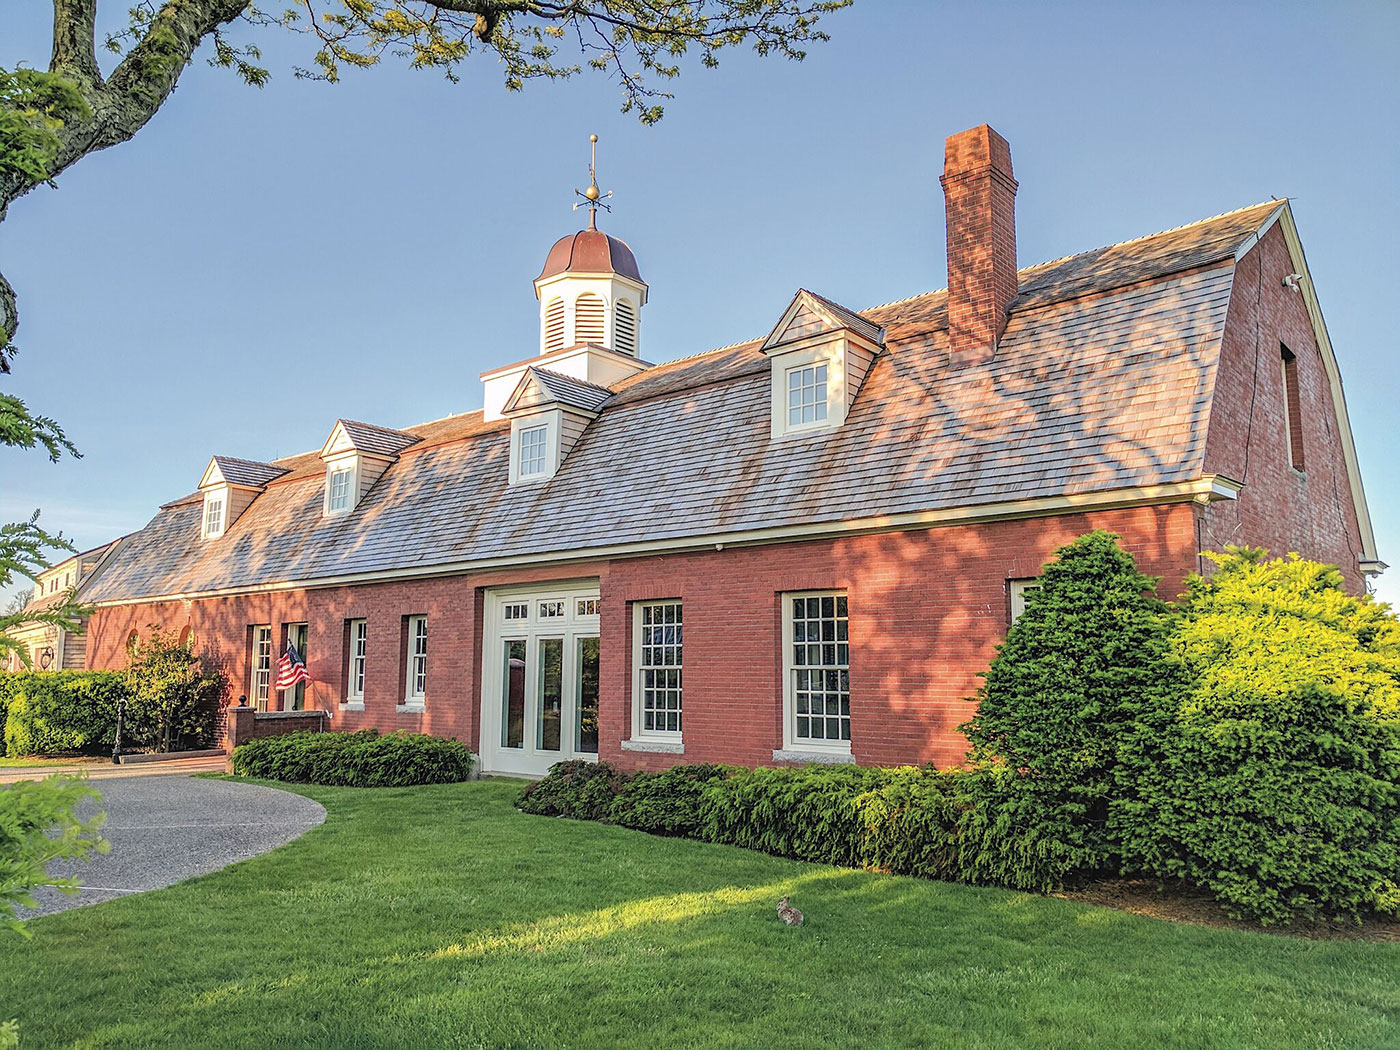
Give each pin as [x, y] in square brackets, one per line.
[167, 827]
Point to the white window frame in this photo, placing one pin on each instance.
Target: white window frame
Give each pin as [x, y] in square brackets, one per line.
[798, 384]
[532, 452]
[355, 666]
[549, 421]
[215, 506]
[828, 352]
[639, 669]
[792, 743]
[260, 687]
[415, 686]
[333, 474]
[1016, 590]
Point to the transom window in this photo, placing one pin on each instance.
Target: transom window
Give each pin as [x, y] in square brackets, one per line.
[340, 489]
[532, 451]
[806, 397]
[355, 679]
[213, 516]
[551, 610]
[262, 665]
[516, 611]
[417, 679]
[818, 669]
[659, 641]
[587, 607]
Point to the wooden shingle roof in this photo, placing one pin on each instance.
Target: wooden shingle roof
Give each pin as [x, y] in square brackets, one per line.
[1102, 380]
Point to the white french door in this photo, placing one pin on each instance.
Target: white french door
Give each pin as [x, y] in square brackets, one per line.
[539, 681]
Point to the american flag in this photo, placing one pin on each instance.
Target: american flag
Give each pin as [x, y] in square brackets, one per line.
[291, 669]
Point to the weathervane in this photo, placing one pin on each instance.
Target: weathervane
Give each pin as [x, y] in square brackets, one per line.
[592, 199]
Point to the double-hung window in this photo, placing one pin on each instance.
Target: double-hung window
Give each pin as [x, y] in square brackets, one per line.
[817, 671]
[261, 685]
[806, 395]
[416, 676]
[339, 498]
[657, 644]
[358, 631]
[531, 463]
[213, 516]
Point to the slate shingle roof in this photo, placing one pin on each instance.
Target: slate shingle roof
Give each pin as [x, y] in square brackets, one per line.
[1103, 380]
[571, 391]
[380, 440]
[246, 471]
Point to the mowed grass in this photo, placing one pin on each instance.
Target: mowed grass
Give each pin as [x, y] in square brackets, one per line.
[441, 917]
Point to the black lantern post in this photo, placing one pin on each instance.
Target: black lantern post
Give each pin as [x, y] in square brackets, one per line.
[117, 743]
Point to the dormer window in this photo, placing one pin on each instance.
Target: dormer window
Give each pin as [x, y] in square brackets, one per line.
[338, 485]
[819, 354]
[532, 451]
[806, 395]
[213, 516]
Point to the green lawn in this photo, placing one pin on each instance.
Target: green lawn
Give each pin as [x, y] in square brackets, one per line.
[440, 917]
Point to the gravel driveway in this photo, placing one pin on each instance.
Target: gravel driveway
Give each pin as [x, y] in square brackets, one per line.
[164, 829]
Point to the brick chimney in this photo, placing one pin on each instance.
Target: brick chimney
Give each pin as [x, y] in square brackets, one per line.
[980, 194]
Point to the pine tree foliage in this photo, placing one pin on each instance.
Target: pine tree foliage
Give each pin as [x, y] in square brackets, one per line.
[1274, 781]
[1074, 673]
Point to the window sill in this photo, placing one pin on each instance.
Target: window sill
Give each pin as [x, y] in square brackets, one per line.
[412, 707]
[655, 747]
[829, 758]
[352, 705]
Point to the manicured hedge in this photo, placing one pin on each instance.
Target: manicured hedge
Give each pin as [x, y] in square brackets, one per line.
[900, 820]
[54, 712]
[362, 759]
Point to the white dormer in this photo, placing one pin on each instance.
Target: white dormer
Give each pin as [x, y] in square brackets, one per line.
[356, 456]
[229, 486]
[819, 353]
[548, 414]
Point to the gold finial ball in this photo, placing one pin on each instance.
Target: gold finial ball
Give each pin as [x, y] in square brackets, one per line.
[592, 138]
[591, 193]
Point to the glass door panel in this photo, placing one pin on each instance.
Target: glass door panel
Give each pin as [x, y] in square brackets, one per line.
[513, 694]
[586, 696]
[549, 692]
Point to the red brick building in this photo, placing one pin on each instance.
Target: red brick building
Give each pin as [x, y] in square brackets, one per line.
[799, 548]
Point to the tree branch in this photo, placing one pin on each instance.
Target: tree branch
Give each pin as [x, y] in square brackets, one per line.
[75, 41]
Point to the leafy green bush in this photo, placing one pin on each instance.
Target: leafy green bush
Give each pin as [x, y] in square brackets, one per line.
[1275, 781]
[173, 699]
[1088, 654]
[10, 682]
[363, 759]
[39, 823]
[52, 712]
[665, 803]
[577, 788]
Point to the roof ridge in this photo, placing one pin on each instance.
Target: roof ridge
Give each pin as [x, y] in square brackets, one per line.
[1101, 248]
[375, 426]
[571, 379]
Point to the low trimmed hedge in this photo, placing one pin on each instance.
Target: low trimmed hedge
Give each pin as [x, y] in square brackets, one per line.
[54, 712]
[901, 820]
[361, 759]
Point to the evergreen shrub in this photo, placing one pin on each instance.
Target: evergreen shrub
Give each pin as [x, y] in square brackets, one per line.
[1274, 782]
[577, 788]
[666, 803]
[57, 712]
[361, 759]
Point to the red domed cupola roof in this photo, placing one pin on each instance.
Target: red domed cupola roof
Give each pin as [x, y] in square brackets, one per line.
[590, 251]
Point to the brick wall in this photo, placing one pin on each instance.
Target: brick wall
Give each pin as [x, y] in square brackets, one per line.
[1280, 508]
[927, 610]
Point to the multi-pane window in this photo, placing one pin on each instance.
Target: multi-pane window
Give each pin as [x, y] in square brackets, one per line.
[532, 449]
[587, 607]
[658, 659]
[806, 395]
[213, 516]
[1019, 589]
[340, 489]
[516, 611]
[355, 672]
[261, 685]
[416, 685]
[819, 669]
[551, 610]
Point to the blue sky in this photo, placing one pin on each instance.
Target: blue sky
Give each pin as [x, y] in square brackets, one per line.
[255, 264]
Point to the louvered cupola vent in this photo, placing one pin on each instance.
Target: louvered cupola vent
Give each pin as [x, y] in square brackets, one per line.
[554, 325]
[625, 328]
[588, 319]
